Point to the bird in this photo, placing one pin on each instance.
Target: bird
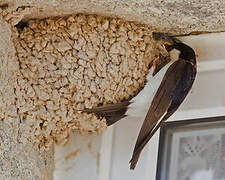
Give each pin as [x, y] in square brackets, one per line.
[173, 89]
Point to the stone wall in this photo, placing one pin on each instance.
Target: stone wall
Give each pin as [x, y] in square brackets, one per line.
[176, 16]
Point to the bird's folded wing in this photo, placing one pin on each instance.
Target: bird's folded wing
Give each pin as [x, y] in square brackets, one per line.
[158, 108]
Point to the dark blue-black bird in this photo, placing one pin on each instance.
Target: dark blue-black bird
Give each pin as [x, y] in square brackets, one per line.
[173, 89]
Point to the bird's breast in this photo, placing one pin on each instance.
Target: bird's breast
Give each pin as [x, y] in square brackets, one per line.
[142, 101]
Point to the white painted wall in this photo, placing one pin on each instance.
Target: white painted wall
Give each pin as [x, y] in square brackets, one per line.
[115, 147]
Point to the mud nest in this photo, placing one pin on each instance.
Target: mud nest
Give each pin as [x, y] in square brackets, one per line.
[71, 63]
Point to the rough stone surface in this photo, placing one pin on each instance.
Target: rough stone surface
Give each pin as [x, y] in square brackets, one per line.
[18, 159]
[176, 16]
[21, 161]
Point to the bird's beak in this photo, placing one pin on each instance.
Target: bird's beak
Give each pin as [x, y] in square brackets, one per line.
[165, 45]
[164, 48]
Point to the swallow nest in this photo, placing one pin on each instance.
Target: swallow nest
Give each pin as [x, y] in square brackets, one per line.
[71, 63]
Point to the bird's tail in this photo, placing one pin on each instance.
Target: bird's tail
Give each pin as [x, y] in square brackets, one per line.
[138, 150]
[112, 112]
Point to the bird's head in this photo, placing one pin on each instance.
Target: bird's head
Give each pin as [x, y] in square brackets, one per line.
[166, 42]
[173, 47]
[167, 45]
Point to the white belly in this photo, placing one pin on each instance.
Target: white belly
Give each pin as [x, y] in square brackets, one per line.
[142, 101]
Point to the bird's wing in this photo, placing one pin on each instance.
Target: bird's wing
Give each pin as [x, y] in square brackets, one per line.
[112, 112]
[183, 86]
[159, 106]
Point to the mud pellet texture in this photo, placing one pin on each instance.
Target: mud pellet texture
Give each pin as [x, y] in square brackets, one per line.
[76, 62]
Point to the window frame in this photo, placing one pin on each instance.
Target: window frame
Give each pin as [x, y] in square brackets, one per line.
[164, 135]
